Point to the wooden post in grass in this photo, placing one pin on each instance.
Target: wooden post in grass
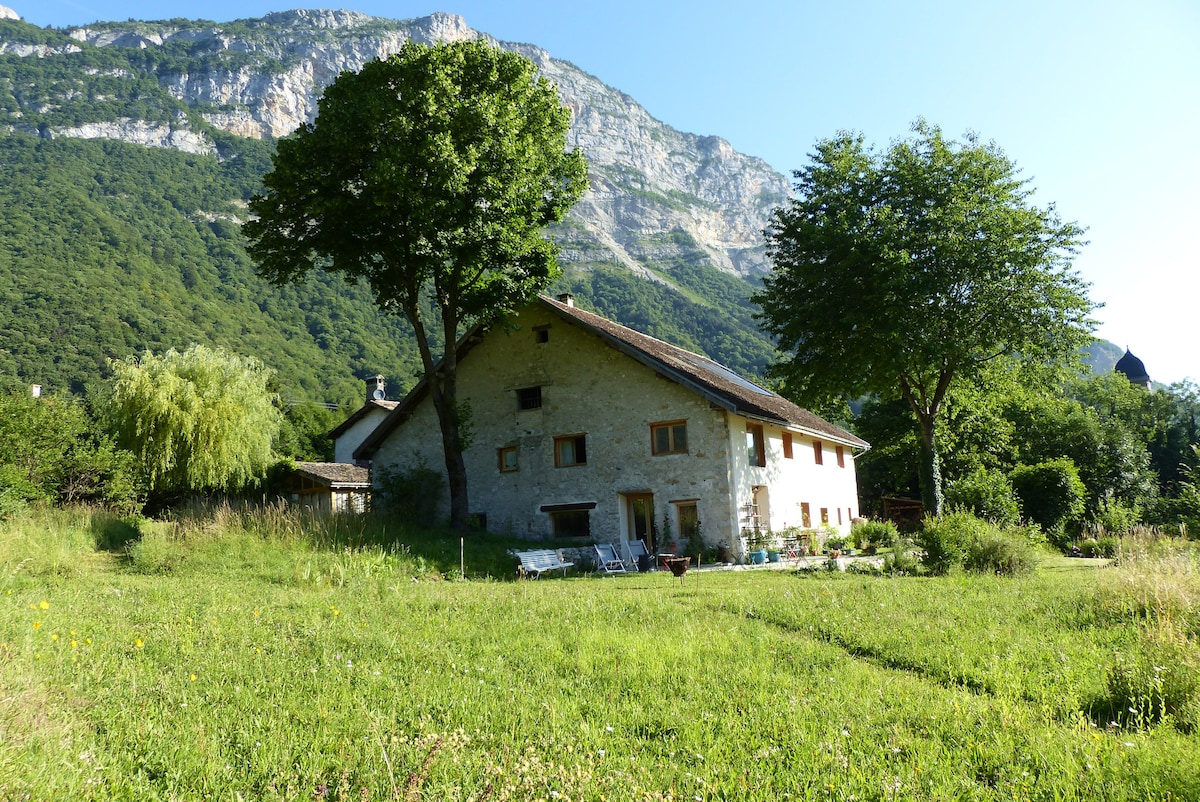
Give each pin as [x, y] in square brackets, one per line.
[462, 558]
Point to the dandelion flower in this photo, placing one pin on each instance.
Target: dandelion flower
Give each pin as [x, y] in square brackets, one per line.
[137, 643]
[54, 636]
[45, 605]
[192, 678]
[37, 624]
[74, 644]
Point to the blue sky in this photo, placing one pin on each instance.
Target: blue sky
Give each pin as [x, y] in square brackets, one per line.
[1098, 102]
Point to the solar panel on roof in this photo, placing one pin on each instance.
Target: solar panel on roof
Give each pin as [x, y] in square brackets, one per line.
[723, 373]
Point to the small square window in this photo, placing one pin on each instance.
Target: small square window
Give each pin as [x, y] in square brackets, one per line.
[668, 438]
[507, 458]
[818, 452]
[570, 450]
[529, 398]
[787, 445]
[541, 334]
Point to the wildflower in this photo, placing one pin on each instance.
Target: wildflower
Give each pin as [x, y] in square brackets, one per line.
[54, 636]
[87, 640]
[137, 643]
[192, 677]
[256, 613]
[45, 605]
[74, 644]
[37, 624]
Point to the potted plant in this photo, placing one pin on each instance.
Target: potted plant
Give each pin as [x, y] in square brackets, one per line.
[834, 544]
[772, 544]
[757, 544]
[724, 553]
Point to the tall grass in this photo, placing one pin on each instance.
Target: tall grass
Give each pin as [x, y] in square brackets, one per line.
[231, 671]
[1156, 678]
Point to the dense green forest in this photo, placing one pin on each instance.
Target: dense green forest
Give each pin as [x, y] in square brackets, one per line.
[107, 249]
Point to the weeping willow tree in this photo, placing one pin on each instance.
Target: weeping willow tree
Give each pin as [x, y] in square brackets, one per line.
[198, 420]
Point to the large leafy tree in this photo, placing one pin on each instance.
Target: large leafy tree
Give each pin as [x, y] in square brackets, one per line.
[197, 420]
[898, 272]
[430, 174]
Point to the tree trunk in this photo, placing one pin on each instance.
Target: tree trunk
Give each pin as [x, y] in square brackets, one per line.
[930, 469]
[456, 468]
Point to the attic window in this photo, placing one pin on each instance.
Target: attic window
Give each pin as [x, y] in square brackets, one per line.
[541, 334]
[529, 398]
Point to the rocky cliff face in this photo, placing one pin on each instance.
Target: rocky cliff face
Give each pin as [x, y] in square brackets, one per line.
[659, 197]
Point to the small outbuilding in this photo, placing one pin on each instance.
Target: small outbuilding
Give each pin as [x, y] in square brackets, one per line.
[331, 487]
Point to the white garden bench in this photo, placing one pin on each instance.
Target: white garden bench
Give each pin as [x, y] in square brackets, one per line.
[537, 561]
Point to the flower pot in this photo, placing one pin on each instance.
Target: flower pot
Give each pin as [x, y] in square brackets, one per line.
[758, 556]
[773, 556]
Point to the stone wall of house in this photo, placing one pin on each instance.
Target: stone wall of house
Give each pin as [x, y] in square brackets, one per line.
[591, 389]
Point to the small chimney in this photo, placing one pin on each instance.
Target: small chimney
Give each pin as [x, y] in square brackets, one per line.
[35, 390]
[566, 298]
[376, 388]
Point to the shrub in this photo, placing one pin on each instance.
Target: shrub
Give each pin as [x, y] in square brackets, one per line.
[1051, 495]
[871, 535]
[1158, 680]
[986, 494]
[997, 552]
[410, 496]
[943, 540]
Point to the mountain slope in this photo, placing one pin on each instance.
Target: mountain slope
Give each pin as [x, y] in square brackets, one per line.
[668, 234]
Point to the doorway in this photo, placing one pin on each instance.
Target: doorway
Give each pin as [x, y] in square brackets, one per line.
[639, 519]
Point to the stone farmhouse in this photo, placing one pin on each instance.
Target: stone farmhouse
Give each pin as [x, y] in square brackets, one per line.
[585, 428]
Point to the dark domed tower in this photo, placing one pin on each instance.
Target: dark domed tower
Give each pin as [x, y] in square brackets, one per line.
[1133, 369]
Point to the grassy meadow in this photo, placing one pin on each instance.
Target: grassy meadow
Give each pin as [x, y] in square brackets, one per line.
[247, 656]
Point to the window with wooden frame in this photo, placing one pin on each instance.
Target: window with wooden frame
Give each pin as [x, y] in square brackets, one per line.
[818, 452]
[506, 457]
[570, 450]
[756, 451]
[688, 516]
[841, 456]
[787, 445]
[824, 516]
[805, 515]
[668, 438]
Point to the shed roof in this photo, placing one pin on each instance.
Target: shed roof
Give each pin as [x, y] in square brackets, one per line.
[336, 474]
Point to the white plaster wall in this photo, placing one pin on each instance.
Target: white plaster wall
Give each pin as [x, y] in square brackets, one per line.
[789, 482]
[352, 438]
[588, 387]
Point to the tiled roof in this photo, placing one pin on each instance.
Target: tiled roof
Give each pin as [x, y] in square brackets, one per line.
[359, 414]
[720, 385]
[716, 382]
[336, 473]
